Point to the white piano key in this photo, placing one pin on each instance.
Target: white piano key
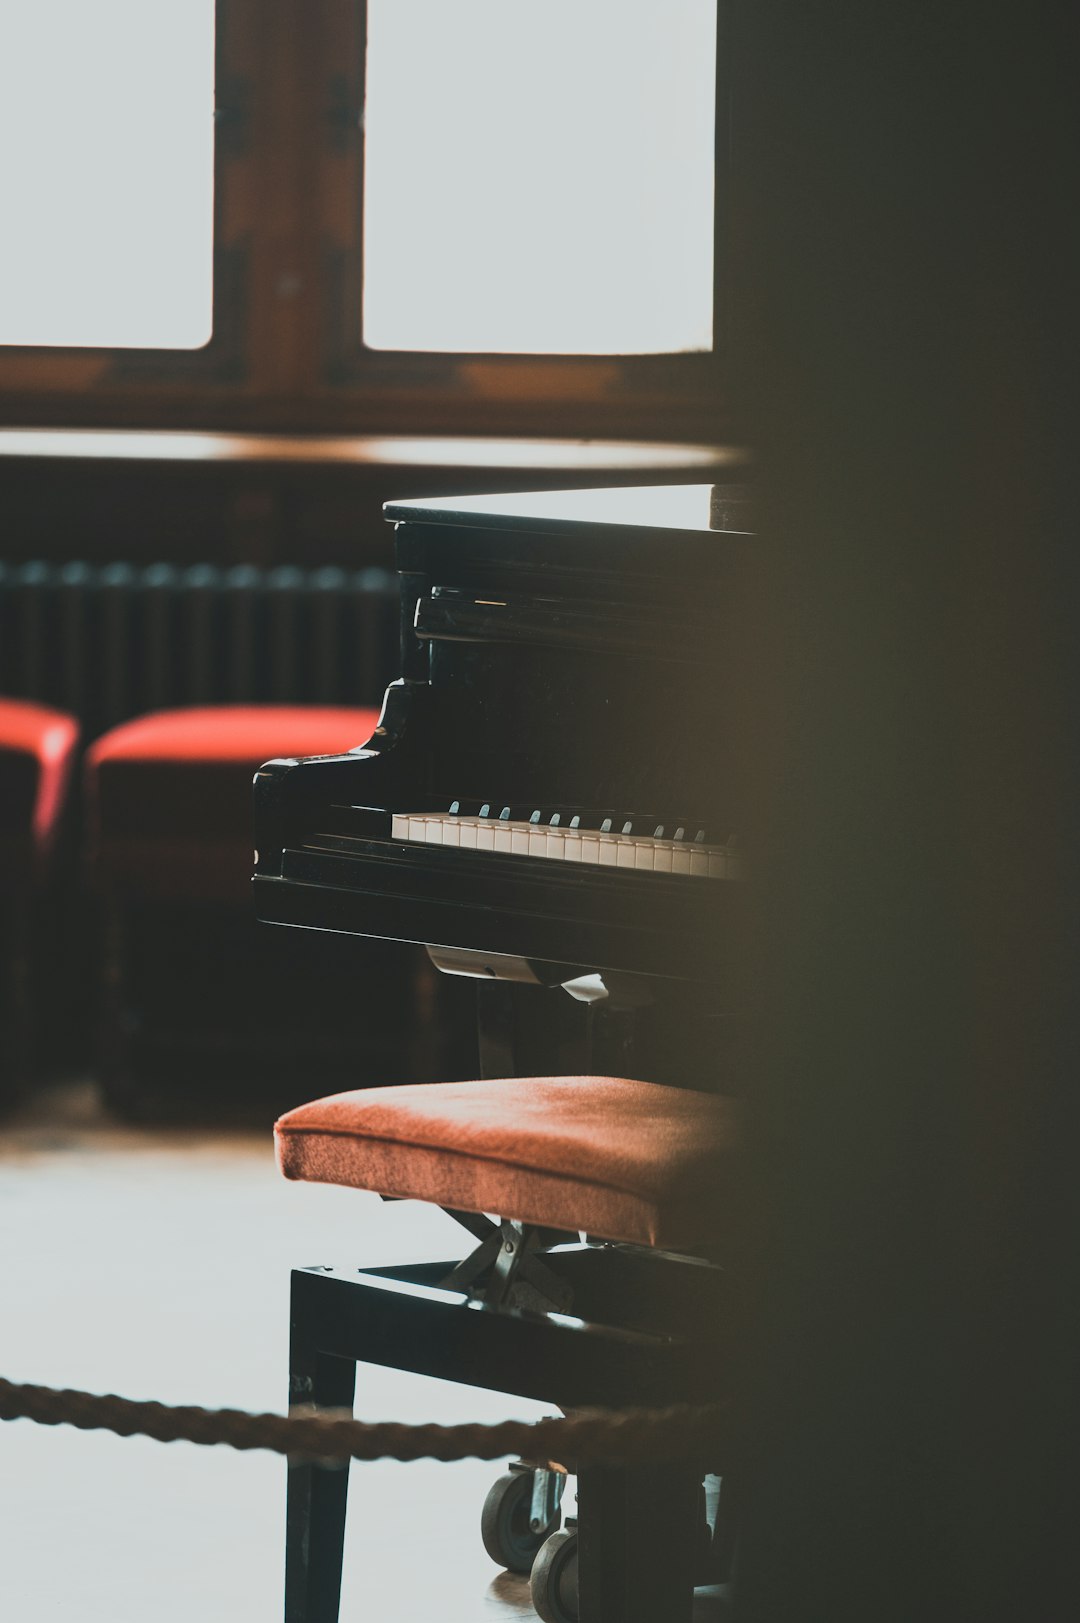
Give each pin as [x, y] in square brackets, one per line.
[559, 842]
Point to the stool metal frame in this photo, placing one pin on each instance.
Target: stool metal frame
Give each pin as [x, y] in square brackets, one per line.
[644, 1329]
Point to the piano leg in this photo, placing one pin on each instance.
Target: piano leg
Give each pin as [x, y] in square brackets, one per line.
[613, 1041]
[315, 1520]
[495, 1026]
[540, 1031]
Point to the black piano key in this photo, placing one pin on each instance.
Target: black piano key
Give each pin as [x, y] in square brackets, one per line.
[604, 820]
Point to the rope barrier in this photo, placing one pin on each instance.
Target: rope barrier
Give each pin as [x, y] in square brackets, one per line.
[594, 1436]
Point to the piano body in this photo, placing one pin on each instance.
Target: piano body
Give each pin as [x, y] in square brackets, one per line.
[539, 806]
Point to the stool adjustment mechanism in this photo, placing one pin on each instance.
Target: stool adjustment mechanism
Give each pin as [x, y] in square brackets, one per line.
[505, 1270]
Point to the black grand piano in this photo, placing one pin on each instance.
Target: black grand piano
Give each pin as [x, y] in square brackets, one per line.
[545, 800]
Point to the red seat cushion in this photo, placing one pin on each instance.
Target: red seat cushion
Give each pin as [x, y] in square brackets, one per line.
[622, 1160]
[37, 749]
[169, 794]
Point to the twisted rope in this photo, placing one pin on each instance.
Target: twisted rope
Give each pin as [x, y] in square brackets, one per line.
[594, 1436]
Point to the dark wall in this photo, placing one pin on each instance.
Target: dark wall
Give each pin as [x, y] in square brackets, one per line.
[257, 510]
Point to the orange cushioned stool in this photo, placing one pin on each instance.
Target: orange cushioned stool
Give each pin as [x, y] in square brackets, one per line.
[169, 794]
[634, 1315]
[37, 752]
[169, 847]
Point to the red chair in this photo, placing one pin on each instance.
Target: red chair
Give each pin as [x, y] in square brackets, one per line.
[637, 1316]
[37, 752]
[186, 972]
[169, 794]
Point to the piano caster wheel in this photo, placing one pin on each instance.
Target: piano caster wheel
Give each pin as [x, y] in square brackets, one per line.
[553, 1582]
[506, 1521]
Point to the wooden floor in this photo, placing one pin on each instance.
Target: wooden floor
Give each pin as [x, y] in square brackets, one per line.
[155, 1264]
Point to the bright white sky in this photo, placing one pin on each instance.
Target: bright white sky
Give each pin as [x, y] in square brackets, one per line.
[106, 172]
[539, 175]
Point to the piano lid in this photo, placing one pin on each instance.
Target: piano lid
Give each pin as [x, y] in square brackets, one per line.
[664, 510]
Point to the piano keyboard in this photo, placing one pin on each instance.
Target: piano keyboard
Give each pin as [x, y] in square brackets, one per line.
[615, 843]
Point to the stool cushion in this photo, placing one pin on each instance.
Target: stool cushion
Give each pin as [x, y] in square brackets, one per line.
[37, 749]
[169, 794]
[621, 1160]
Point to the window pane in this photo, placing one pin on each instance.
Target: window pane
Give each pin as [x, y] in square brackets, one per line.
[539, 176]
[106, 172]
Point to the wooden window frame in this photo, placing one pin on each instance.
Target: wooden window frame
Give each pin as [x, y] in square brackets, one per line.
[287, 350]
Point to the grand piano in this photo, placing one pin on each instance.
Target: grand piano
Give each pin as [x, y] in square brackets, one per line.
[546, 801]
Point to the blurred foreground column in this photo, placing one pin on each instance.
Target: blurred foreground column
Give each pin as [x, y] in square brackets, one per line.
[907, 236]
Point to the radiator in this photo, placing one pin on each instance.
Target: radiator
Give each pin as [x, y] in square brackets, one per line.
[110, 641]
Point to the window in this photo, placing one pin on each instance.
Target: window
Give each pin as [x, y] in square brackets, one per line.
[563, 167]
[482, 216]
[109, 240]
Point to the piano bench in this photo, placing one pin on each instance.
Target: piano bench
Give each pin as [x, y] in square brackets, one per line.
[619, 1159]
[633, 1316]
[37, 753]
[185, 969]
